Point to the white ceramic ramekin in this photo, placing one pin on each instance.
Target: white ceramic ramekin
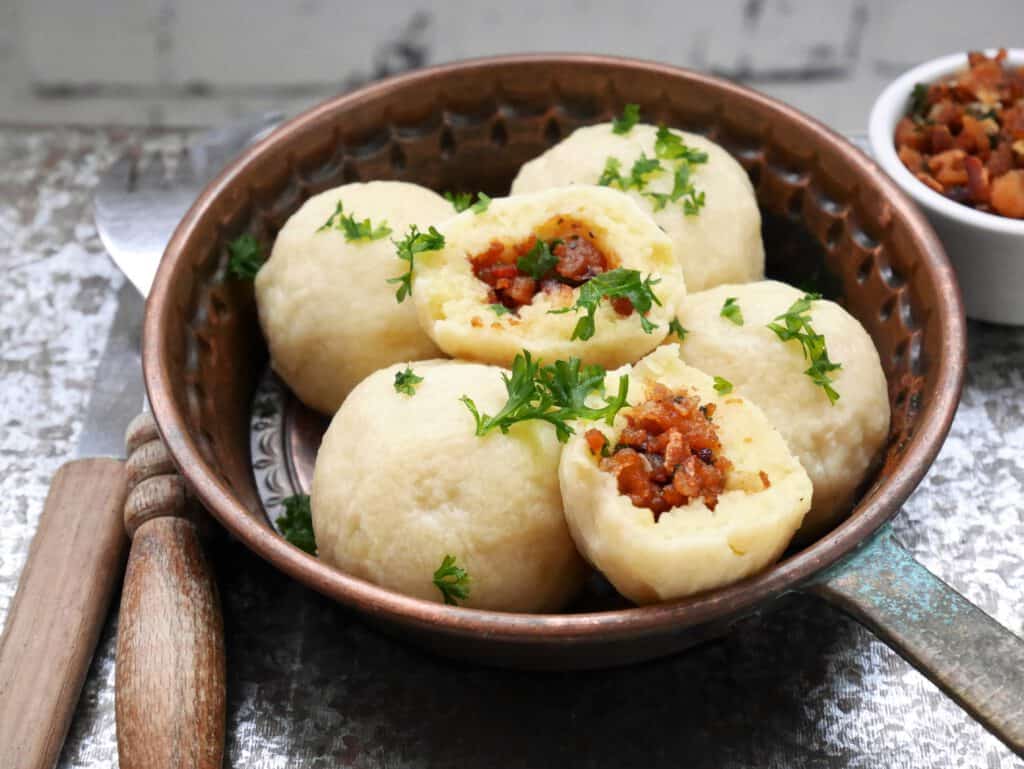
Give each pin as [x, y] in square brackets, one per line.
[987, 250]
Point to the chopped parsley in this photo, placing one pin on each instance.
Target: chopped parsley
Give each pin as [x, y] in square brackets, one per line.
[613, 284]
[482, 203]
[630, 117]
[452, 580]
[462, 201]
[611, 176]
[670, 146]
[677, 156]
[643, 167]
[414, 242]
[296, 524]
[796, 325]
[406, 381]
[555, 394]
[675, 327]
[722, 386]
[246, 257]
[731, 310]
[500, 309]
[352, 228]
[539, 260]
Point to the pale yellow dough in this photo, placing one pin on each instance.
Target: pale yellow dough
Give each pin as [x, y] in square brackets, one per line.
[837, 444]
[689, 549]
[721, 244]
[327, 311]
[402, 481]
[453, 306]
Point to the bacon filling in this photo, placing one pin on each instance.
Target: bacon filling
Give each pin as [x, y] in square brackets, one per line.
[580, 258]
[668, 454]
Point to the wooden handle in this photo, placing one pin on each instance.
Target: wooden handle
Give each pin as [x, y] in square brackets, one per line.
[170, 689]
[73, 566]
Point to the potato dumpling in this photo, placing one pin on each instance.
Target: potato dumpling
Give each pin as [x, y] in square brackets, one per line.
[401, 481]
[717, 535]
[327, 311]
[837, 443]
[721, 243]
[489, 292]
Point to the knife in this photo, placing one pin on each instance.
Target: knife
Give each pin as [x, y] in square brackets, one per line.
[170, 659]
[74, 563]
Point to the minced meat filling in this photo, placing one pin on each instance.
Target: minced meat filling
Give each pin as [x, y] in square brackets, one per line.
[668, 454]
[574, 246]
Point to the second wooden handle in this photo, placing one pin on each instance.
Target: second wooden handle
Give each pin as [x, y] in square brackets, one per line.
[170, 651]
[55, 620]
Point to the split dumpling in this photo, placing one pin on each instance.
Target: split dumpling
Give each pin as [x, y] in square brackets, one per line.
[719, 243]
[838, 443]
[401, 481]
[489, 292]
[688, 490]
[327, 311]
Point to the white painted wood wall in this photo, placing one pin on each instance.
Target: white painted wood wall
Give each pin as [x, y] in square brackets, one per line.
[169, 62]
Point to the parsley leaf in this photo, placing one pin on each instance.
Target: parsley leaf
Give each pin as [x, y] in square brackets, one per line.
[675, 327]
[414, 242]
[482, 203]
[616, 283]
[406, 381]
[462, 201]
[555, 394]
[539, 260]
[246, 257]
[630, 117]
[643, 167]
[296, 524]
[452, 581]
[731, 310]
[797, 325]
[352, 228]
[637, 179]
[500, 309]
[722, 386]
[570, 383]
[611, 176]
[670, 147]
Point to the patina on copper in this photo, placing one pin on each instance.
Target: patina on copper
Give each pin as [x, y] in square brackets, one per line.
[827, 208]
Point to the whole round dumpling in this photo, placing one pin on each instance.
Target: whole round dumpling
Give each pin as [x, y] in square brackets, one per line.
[689, 489]
[328, 313]
[402, 481]
[509, 279]
[837, 443]
[719, 243]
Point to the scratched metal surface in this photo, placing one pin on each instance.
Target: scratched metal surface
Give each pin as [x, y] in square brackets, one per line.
[310, 686]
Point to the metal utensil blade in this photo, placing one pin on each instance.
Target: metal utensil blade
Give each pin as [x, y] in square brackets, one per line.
[137, 208]
[140, 200]
[118, 392]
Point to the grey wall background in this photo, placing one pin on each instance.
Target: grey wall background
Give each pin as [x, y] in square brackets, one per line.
[198, 62]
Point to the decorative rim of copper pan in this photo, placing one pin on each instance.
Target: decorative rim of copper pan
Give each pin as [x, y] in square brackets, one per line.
[873, 510]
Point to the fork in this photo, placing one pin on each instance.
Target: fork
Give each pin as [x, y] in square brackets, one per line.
[170, 680]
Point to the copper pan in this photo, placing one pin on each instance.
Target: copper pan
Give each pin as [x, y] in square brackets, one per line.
[827, 209]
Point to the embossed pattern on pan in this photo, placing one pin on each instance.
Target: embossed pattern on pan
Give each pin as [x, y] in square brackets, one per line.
[829, 212]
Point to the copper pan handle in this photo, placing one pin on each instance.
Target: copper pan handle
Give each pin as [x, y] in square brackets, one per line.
[170, 680]
[962, 650]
